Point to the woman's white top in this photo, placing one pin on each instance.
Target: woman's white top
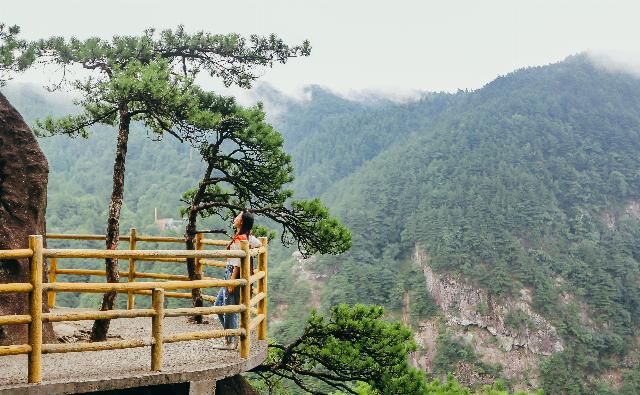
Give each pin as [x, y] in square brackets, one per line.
[253, 243]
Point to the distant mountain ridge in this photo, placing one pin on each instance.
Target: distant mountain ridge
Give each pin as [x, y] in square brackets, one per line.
[506, 186]
[330, 137]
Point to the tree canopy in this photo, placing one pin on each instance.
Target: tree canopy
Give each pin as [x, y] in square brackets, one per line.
[248, 169]
[353, 344]
[153, 74]
[150, 79]
[14, 54]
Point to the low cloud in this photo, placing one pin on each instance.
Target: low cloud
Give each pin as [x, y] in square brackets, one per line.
[616, 61]
[380, 95]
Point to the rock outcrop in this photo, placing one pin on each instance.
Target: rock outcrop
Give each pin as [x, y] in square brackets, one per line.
[234, 385]
[23, 200]
[465, 305]
[611, 216]
[506, 331]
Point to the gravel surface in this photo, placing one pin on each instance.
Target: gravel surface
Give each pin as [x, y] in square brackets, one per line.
[93, 365]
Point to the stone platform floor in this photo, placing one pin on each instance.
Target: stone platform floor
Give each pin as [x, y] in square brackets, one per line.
[114, 369]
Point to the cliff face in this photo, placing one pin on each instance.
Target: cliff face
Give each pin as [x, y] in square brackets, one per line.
[506, 332]
[463, 305]
[612, 217]
[23, 200]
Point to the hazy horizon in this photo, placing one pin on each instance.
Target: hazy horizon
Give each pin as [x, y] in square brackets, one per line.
[395, 50]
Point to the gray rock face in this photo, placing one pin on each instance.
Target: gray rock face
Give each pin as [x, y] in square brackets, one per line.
[465, 305]
[23, 200]
[234, 385]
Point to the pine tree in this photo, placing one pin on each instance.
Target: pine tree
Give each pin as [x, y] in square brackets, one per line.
[150, 79]
[247, 169]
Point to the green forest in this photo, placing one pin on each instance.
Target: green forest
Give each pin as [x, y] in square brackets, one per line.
[508, 187]
[531, 182]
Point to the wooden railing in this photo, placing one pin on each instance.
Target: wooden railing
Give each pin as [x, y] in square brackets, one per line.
[132, 274]
[156, 289]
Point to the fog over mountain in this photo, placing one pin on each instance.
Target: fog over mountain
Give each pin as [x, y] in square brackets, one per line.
[390, 47]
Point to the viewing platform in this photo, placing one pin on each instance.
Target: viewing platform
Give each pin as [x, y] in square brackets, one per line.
[147, 347]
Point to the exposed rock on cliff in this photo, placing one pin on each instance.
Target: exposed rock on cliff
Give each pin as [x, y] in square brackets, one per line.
[611, 217]
[512, 320]
[506, 331]
[234, 385]
[23, 200]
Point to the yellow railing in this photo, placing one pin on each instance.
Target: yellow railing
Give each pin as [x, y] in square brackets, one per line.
[132, 274]
[156, 289]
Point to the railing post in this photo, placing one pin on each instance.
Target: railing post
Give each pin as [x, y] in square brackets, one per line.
[245, 298]
[262, 287]
[51, 295]
[199, 246]
[35, 310]
[157, 300]
[131, 297]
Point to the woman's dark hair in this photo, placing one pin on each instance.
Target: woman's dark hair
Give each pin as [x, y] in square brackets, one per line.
[247, 223]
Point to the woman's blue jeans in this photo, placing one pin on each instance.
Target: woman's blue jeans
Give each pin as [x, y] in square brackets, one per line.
[228, 320]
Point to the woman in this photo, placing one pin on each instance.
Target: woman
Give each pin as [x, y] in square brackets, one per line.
[243, 223]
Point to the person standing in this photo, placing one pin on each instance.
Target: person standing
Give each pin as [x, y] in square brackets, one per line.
[243, 223]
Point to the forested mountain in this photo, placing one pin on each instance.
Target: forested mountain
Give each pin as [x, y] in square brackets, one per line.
[529, 183]
[330, 137]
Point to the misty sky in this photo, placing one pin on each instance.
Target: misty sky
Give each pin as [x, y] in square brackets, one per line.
[391, 46]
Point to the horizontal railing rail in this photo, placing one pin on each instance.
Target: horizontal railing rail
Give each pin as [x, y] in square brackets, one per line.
[132, 274]
[16, 254]
[156, 239]
[121, 254]
[159, 288]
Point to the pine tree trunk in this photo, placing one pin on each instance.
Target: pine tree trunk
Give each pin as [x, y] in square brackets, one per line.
[196, 293]
[190, 241]
[101, 327]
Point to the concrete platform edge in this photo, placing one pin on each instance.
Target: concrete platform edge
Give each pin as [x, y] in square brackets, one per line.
[146, 379]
